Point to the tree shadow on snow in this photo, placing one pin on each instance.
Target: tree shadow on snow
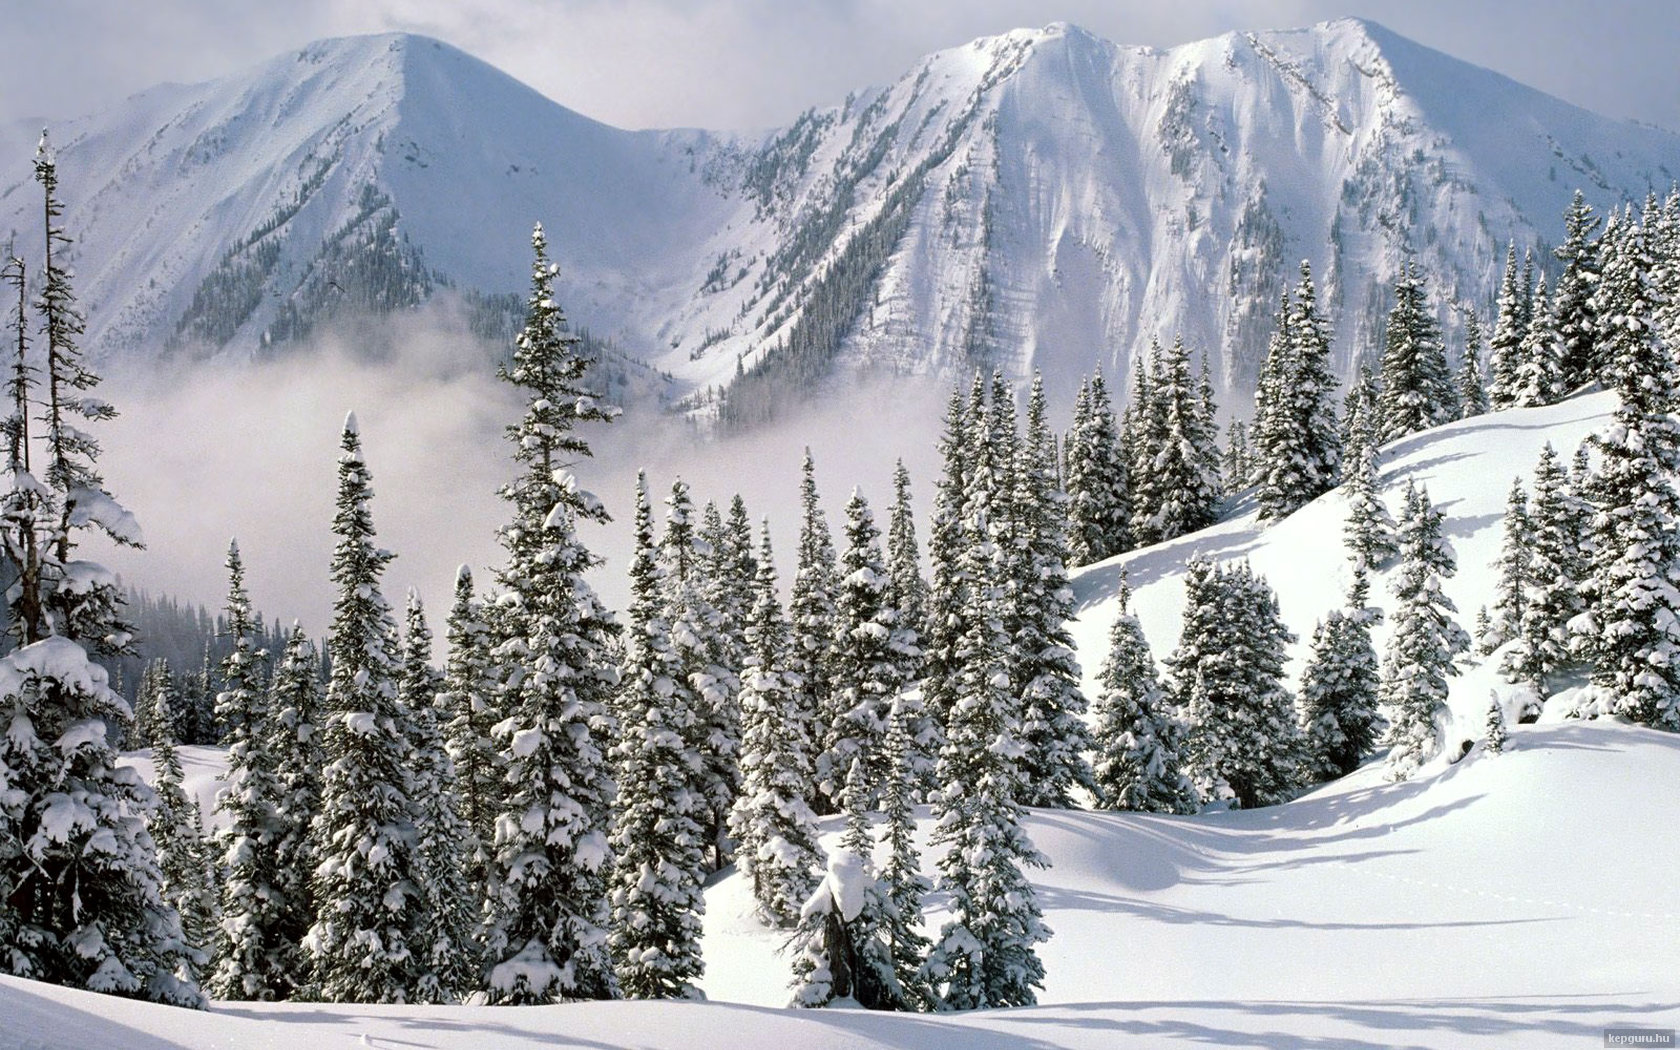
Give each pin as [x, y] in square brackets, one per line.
[1584, 1020]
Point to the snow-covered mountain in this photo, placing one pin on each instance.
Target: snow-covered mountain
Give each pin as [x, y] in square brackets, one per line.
[1040, 199]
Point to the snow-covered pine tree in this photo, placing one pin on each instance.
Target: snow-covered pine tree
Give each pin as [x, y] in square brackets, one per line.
[545, 938]
[1505, 353]
[1663, 242]
[1540, 378]
[867, 661]
[901, 875]
[1511, 592]
[693, 626]
[368, 903]
[78, 870]
[1496, 736]
[909, 593]
[155, 707]
[1631, 633]
[658, 837]
[1417, 388]
[449, 907]
[840, 952]
[984, 955]
[1142, 427]
[1239, 461]
[1425, 638]
[183, 856]
[814, 619]
[1360, 419]
[1137, 736]
[909, 590]
[1551, 579]
[1369, 532]
[773, 825]
[467, 715]
[1271, 400]
[252, 960]
[1302, 453]
[295, 738]
[1046, 671]
[1472, 388]
[1312, 404]
[1227, 677]
[1180, 493]
[1573, 315]
[1098, 480]
[1339, 689]
[948, 590]
[1206, 439]
[711, 597]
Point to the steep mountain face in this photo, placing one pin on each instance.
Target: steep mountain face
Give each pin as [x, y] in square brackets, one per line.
[1038, 200]
[1050, 200]
[368, 172]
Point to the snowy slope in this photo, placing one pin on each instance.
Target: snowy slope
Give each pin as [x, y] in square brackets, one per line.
[1039, 199]
[1519, 900]
[1467, 468]
[201, 771]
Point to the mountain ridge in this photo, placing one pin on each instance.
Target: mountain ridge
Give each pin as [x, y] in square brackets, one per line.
[1038, 199]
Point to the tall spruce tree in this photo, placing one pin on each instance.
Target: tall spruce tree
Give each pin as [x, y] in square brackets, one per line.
[1417, 388]
[1045, 669]
[908, 592]
[1573, 310]
[369, 906]
[707, 599]
[1551, 579]
[984, 955]
[1631, 635]
[1098, 480]
[1339, 689]
[295, 738]
[1472, 387]
[468, 716]
[252, 958]
[868, 656]
[1511, 592]
[1423, 642]
[1180, 492]
[1540, 378]
[948, 605]
[1510, 327]
[1301, 454]
[773, 825]
[814, 618]
[1138, 739]
[1227, 676]
[546, 935]
[79, 871]
[659, 835]
[449, 907]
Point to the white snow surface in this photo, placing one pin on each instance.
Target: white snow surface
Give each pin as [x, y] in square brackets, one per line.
[1516, 900]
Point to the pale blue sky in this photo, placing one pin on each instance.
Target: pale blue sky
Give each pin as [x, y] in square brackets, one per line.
[757, 63]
